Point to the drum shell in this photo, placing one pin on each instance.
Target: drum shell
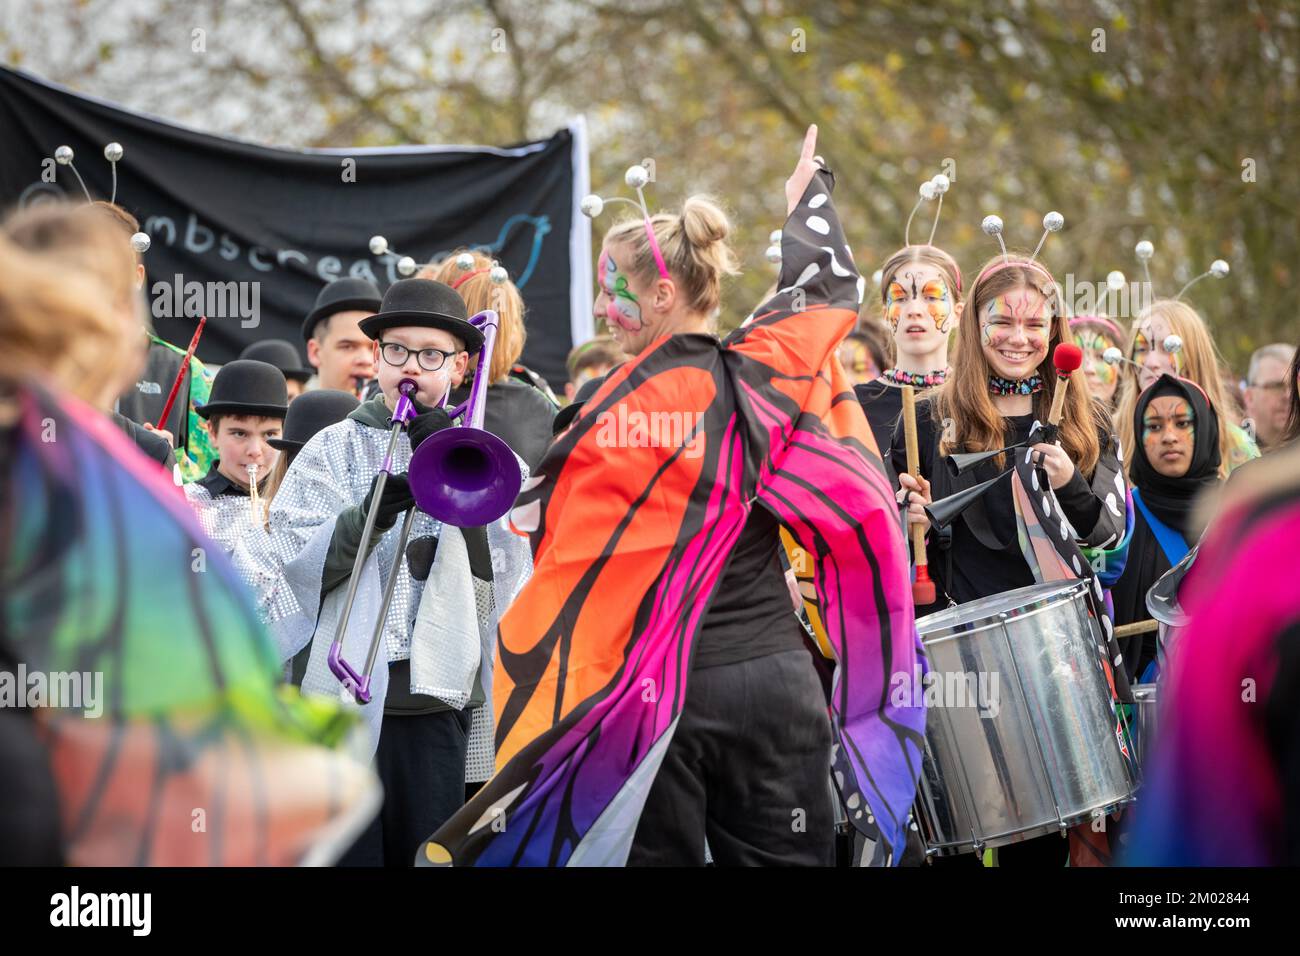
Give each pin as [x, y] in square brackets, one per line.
[1045, 755]
[1146, 722]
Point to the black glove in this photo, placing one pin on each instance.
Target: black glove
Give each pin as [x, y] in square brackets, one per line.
[426, 422]
[419, 556]
[396, 500]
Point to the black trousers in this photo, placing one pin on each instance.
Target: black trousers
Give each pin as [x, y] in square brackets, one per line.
[421, 764]
[748, 769]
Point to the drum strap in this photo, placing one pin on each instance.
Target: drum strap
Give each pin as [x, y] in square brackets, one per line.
[1170, 541]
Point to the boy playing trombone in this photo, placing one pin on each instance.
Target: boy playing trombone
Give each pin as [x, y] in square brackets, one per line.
[439, 630]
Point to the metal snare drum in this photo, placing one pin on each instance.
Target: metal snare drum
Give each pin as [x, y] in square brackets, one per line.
[1041, 754]
[1145, 722]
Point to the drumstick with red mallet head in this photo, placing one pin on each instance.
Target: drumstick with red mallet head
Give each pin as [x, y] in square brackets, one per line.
[180, 376]
[1067, 358]
[923, 592]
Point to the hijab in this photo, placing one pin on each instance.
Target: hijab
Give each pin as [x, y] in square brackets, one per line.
[1172, 499]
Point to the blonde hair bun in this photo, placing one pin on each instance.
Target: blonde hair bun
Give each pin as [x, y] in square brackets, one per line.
[704, 221]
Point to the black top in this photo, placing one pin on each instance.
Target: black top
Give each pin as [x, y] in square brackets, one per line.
[883, 405]
[144, 402]
[154, 446]
[751, 615]
[518, 414]
[984, 556]
[218, 484]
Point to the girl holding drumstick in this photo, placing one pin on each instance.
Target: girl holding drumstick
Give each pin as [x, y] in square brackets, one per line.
[1059, 495]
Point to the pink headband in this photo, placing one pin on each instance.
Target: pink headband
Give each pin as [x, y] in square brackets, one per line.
[654, 246]
[999, 264]
[1101, 320]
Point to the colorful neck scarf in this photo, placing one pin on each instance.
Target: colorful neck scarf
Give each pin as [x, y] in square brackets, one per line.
[1022, 386]
[895, 376]
[594, 656]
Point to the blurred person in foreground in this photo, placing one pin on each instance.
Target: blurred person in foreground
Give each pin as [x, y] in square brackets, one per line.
[59, 233]
[137, 682]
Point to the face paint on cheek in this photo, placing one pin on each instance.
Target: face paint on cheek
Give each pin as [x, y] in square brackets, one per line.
[938, 302]
[1094, 346]
[897, 295]
[1140, 347]
[1185, 423]
[623, 309]
[1150, 438]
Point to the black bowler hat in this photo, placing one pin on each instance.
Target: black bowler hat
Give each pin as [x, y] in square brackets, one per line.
[282, 355]
[427, 304]
[341, 295]
[309, 413]
[247, 387]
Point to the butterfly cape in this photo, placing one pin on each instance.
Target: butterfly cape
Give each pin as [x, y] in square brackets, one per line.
[194, 753]
[631, 535]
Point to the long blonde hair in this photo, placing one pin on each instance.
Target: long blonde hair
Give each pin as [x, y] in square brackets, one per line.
[479, 293]
[273, 482]
[66, 286]
[965, 398]
[694, 246]
[1198, 362]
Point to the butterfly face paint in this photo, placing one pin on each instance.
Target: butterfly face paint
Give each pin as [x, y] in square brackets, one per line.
[1014, 330]
[937, 302]
[622, 309]
[909, 291]
[895, 298]
[1102, 378]
[1149, 351]
[1169, 435]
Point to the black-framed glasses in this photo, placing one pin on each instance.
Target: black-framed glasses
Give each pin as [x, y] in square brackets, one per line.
[396, 354]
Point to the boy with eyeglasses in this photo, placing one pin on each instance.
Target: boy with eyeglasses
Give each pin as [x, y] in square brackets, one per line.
[434, 668]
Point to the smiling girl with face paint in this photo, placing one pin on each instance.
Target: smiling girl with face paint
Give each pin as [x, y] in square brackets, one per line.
[1063, 496]
[920, 290]
[1175, 462]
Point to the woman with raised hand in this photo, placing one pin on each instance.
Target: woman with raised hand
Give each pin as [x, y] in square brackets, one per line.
[632, 665]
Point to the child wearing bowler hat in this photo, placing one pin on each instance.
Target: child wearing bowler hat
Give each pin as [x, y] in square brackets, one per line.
[244, 411]
[283, 356]
[438, 636]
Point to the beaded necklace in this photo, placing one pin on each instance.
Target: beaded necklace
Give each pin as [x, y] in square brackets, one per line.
[896, 376]
[1024, 386]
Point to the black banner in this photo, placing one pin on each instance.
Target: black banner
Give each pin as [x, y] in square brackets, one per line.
[248, 234]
